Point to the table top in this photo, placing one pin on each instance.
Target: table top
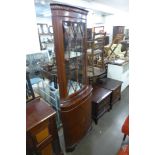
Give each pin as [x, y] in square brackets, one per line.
[98, 94]
[119, 62]
[109, 83]
[36, 112]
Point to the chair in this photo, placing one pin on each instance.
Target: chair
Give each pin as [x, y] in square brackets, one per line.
[124, 150]
[95, 54]
[29, 90]
[36, 79]
[125, 128]
[50, 72]
[110, 50]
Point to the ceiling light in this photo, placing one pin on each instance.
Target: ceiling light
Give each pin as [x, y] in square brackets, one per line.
[42, 2]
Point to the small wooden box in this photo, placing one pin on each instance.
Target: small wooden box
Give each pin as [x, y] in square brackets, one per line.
[114, 86]
[100, 102]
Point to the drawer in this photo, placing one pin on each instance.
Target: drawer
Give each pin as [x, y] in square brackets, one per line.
[104, 102]
[45, 147]
[47, 150]
[116, 94]
[40, 132]
[104, 108]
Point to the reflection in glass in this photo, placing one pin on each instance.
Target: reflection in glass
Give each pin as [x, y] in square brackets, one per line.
[74, 55]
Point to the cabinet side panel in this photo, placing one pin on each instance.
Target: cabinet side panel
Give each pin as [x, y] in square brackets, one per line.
[77, 121]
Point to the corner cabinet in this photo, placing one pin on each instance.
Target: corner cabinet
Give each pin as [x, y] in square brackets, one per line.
[69, 27]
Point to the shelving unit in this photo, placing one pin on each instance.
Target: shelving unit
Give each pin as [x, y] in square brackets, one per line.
[45, 36]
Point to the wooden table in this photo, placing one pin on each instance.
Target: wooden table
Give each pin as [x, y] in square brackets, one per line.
[114, 86]
[100, 102]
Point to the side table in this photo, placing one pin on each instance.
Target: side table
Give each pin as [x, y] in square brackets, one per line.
[100, 102]
[114, 86]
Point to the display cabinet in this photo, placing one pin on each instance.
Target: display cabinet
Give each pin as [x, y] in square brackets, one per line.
[69, 27]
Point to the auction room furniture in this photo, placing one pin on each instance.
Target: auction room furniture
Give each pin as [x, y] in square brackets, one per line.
[114, 86]
[117, 30]
[41, 132]
[125, 127]
[45, 33]
[89, 34]
[100, 102]
[114, 49]
[124, 150]
[29, 90]
[119, 70]
[95, 52]
[49, 71]
[69, 27]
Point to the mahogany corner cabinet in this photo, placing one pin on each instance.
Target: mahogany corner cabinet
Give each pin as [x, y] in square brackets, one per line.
[69, 27]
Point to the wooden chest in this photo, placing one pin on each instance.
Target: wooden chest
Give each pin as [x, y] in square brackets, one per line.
[100, 102]
[41, 132]
[114, 86]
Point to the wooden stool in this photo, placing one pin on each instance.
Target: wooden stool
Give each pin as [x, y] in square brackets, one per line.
[100, 102]
[114, 86]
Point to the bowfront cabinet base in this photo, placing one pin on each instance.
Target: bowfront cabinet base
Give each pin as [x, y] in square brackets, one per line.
[76, 118]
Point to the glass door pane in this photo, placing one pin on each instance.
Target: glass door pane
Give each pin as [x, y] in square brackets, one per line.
[74, 55]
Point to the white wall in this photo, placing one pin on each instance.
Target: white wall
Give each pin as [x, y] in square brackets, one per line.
[44, 20]
[116, 20]
[32, 44]
[94, 19]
